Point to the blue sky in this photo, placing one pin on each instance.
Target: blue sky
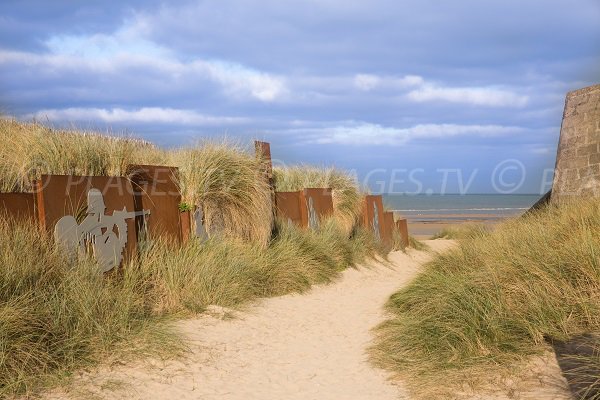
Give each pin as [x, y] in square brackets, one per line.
[401, 92]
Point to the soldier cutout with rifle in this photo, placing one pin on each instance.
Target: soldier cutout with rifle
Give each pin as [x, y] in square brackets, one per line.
[105, 234]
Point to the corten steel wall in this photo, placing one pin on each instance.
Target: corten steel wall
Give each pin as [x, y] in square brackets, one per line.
[388, 227]
[289, 208]
[156, 189]
[577, 170]
[370, 203]
[294, 206]
[402, 226]
[185, 219]
[322, 202]
[60, 195]
[20, 206]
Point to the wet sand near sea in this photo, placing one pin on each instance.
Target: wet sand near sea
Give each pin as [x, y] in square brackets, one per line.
[424, 225]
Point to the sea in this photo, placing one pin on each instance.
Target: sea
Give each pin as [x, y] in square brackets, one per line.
[427, 214]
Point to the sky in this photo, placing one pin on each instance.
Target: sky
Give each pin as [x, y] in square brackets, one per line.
[411, 96]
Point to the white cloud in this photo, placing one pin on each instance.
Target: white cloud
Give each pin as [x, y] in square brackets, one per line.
[374, 134]
[480, 96]
[238, 80]
[366, 82]
[142, 115]
[409, 80]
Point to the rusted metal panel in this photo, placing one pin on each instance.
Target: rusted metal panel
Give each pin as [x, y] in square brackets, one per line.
[402, 226]
[61, 196]
[290, 208]
[306, 208]
[388, 227]
[18, 206]
[372, 216]
[319, 205]
[156, 189]
[185, 219]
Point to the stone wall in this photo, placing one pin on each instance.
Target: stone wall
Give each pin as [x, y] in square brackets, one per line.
[577, 170]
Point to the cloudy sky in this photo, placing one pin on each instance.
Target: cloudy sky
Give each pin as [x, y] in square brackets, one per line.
[404, 92]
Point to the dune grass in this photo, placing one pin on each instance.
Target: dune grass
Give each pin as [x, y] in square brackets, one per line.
[57, 315]
[220, 176]
[231, 272]
[227, 182]
[31, 149]
[491, 302]
[346, 192]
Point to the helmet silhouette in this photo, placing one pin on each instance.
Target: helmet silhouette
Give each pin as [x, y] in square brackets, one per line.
[95, 201]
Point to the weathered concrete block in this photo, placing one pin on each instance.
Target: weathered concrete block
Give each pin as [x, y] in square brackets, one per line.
[578, 157]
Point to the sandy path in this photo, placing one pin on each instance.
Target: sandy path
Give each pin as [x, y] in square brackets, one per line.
[309, 346]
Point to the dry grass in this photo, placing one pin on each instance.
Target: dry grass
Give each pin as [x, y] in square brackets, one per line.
[57, 315]
[219, 176]
[489, 303]
[346, 193]
[30, 149]
[226, 181]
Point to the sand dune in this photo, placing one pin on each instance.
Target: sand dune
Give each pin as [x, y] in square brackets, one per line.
[309, 346]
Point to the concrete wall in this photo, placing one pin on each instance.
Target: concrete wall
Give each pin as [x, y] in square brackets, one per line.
[578, 160]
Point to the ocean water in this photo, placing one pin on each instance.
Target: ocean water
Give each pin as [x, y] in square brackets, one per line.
[456, 206]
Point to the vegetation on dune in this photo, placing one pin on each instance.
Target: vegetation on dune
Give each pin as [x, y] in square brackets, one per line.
[494, 299]
[346, 193]
[219, 176]
[227, 182]
[58, 314]
[30, 149]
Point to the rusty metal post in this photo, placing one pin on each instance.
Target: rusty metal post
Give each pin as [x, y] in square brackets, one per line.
[263, 153]
[402, 226]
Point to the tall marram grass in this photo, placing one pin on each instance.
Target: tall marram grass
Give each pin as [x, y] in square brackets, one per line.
[58, 314]
[227, 182]
[230, 272]
[346, 193]
[221, 177]
[29, 150]
[491, 301]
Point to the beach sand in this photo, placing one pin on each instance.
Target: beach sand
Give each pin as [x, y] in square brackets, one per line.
[310, 346]
[423, 225]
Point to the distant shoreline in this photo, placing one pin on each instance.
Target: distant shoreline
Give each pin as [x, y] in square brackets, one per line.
[429, 214]
[425, 225]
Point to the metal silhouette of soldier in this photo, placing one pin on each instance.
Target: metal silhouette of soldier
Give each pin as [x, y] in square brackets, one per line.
[97, 231]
